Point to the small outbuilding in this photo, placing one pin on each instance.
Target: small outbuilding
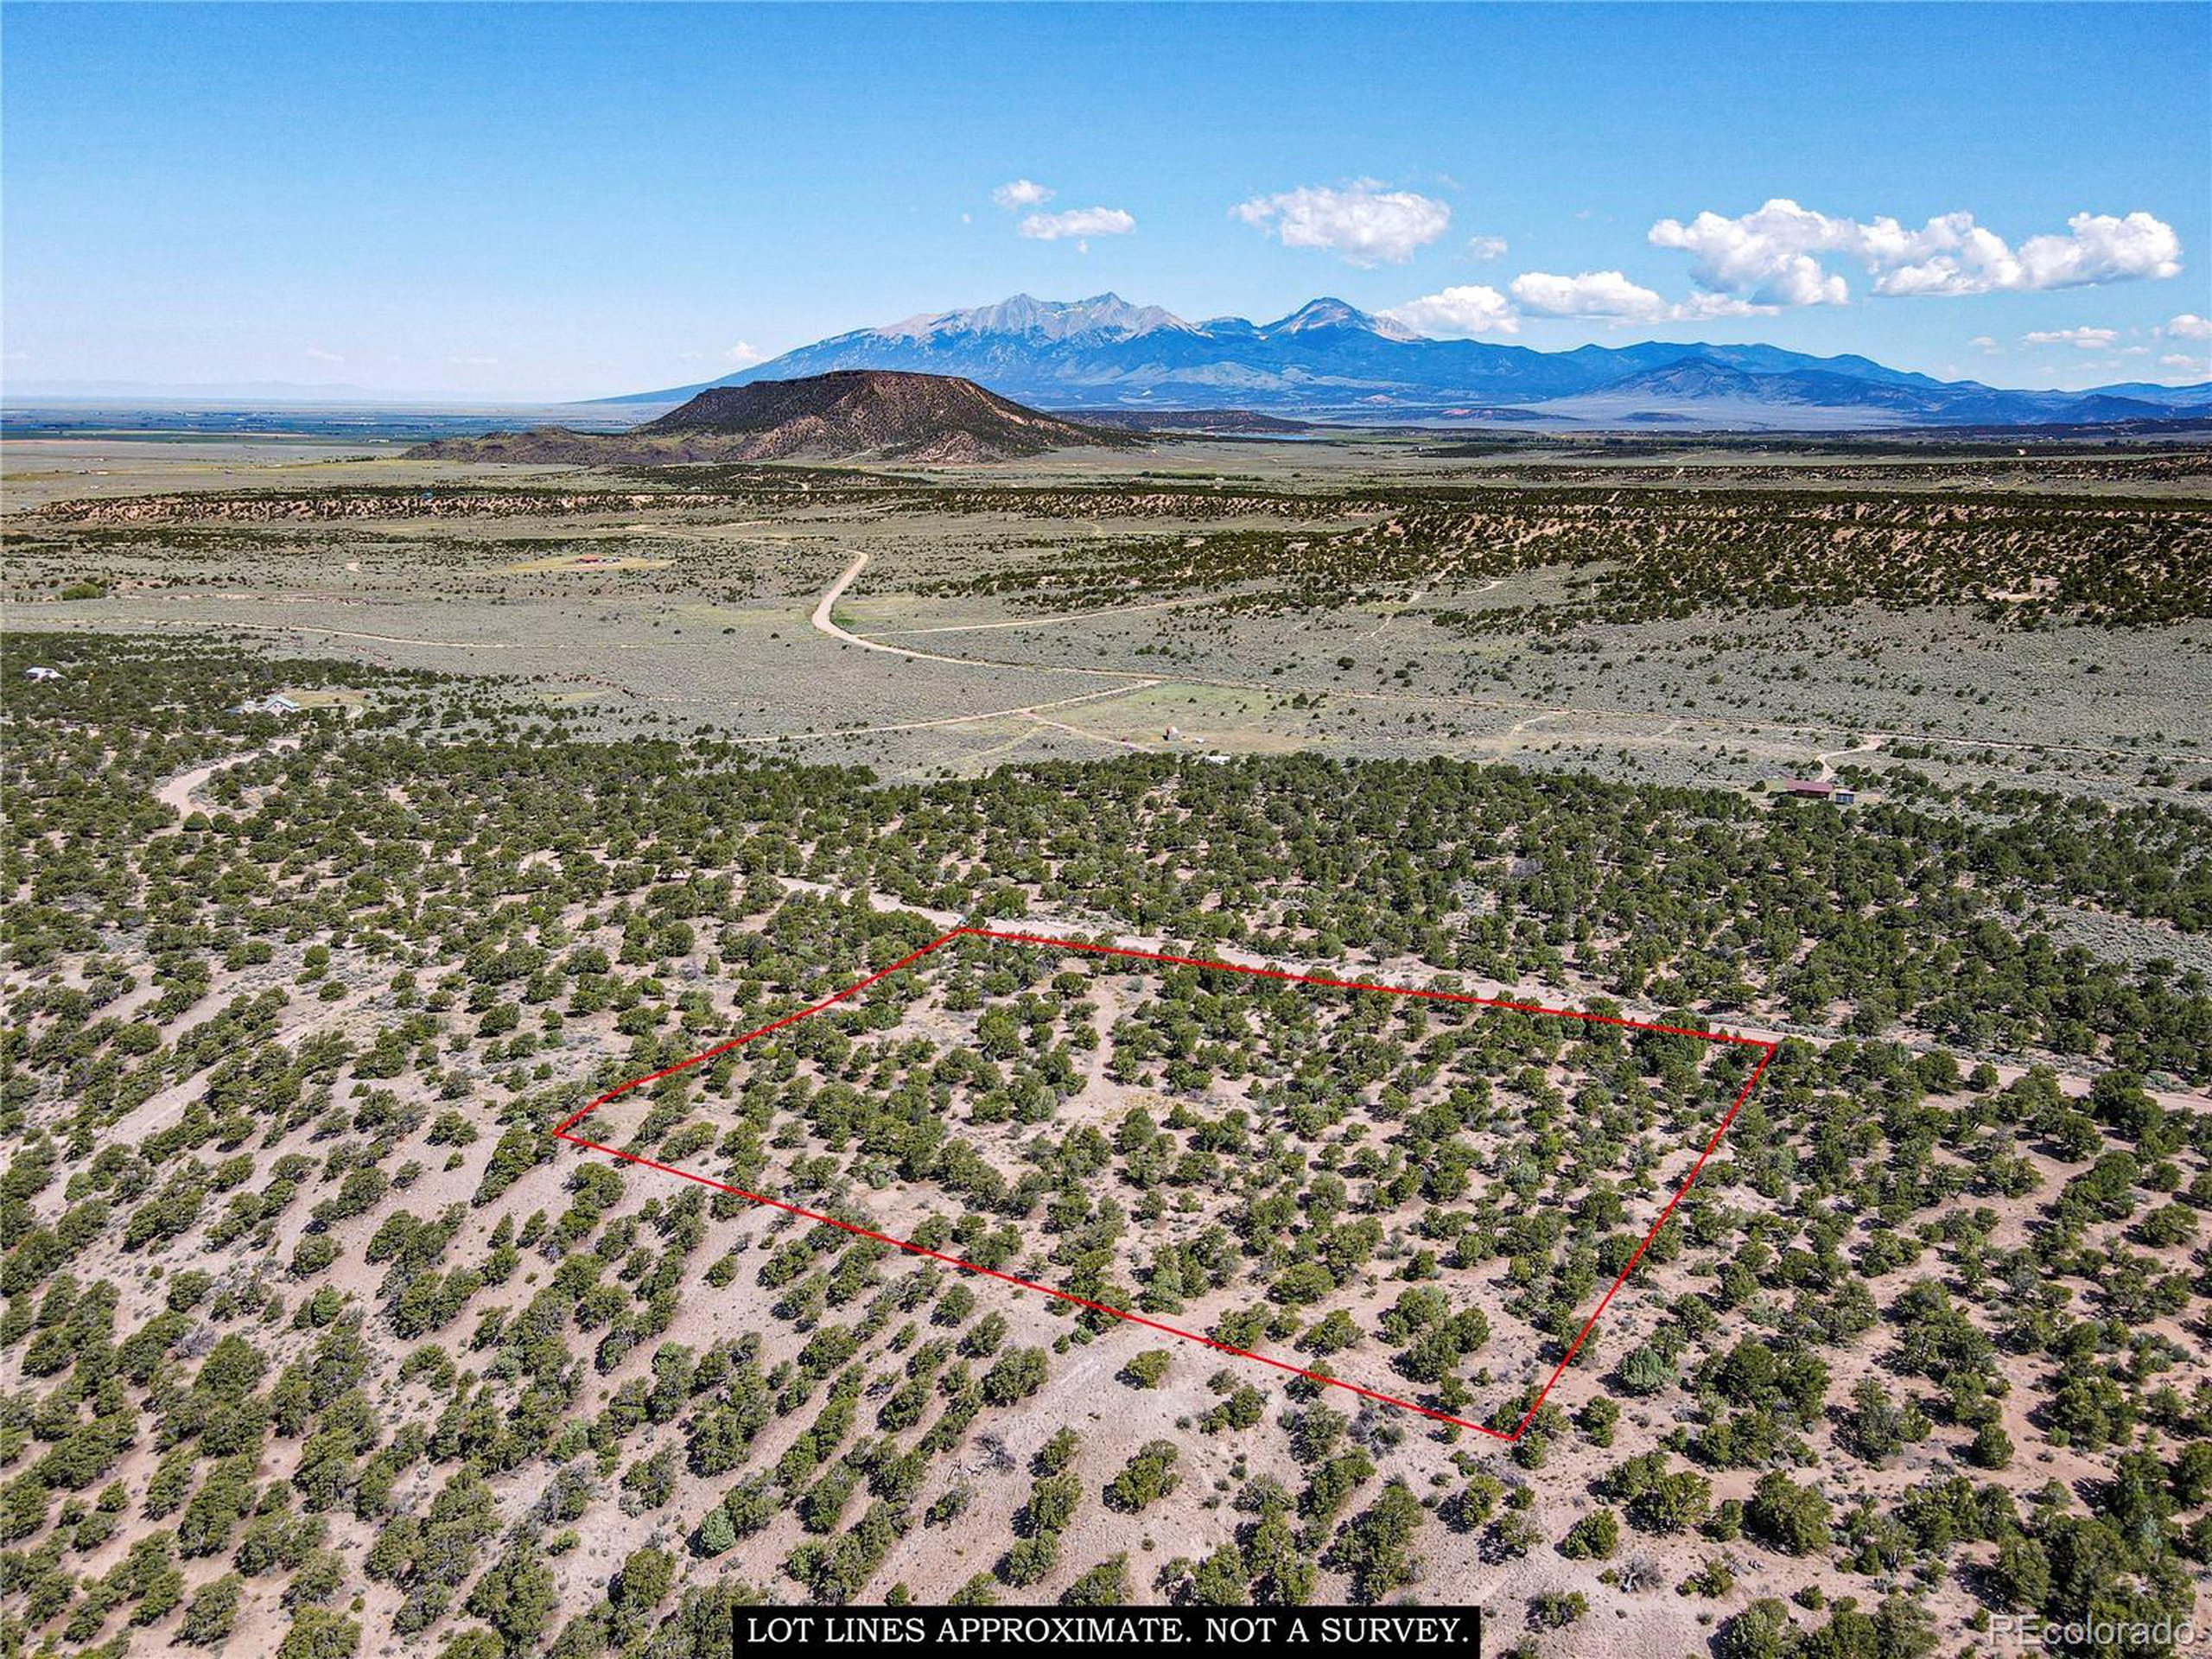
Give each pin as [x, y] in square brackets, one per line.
[42, 674]
[276, 703]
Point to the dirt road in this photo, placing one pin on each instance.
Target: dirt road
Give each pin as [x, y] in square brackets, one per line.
[1030, 710]
[178, 792]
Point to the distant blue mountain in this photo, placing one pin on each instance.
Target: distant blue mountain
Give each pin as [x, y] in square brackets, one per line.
[1330, 360]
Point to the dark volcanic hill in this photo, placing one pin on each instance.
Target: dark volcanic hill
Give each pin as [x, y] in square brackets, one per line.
[875, 412]
[851, 415]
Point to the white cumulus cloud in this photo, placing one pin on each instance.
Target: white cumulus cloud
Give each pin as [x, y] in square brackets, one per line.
[1459, 313]
[1019, 193]
[1766, 255]
[2189, 326]
[2082, 339]
[1590, 293]
[1364, 224]
[1607, 297]
[1079, 223]
[1486, 247]
[2099, 248]
[1776, 255]
[1610, 296]
[2184, 364]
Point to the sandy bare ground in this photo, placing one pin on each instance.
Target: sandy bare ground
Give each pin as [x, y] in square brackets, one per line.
[1096, 737]
[1031, 711]
[1057, 619]
[306, 628]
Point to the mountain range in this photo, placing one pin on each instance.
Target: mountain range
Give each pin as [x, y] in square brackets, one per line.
[1330, 360]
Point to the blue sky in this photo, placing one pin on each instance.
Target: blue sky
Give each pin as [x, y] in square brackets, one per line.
[538, 201]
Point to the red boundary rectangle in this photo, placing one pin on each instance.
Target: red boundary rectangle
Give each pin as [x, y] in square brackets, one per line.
[1766, 1047]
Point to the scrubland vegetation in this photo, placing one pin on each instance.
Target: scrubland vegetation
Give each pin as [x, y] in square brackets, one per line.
[313, 1336]
[1638, 554]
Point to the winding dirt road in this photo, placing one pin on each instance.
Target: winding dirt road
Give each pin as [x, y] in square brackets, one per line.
[1827, 758]
[178, 792]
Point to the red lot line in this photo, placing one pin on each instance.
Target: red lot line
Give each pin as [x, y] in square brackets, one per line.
[1766, 1047]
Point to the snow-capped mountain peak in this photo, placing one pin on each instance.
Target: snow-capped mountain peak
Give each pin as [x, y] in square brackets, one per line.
[1330, 312]
[1102, 315]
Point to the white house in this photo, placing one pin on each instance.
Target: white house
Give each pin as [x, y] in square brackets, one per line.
[41, 674]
